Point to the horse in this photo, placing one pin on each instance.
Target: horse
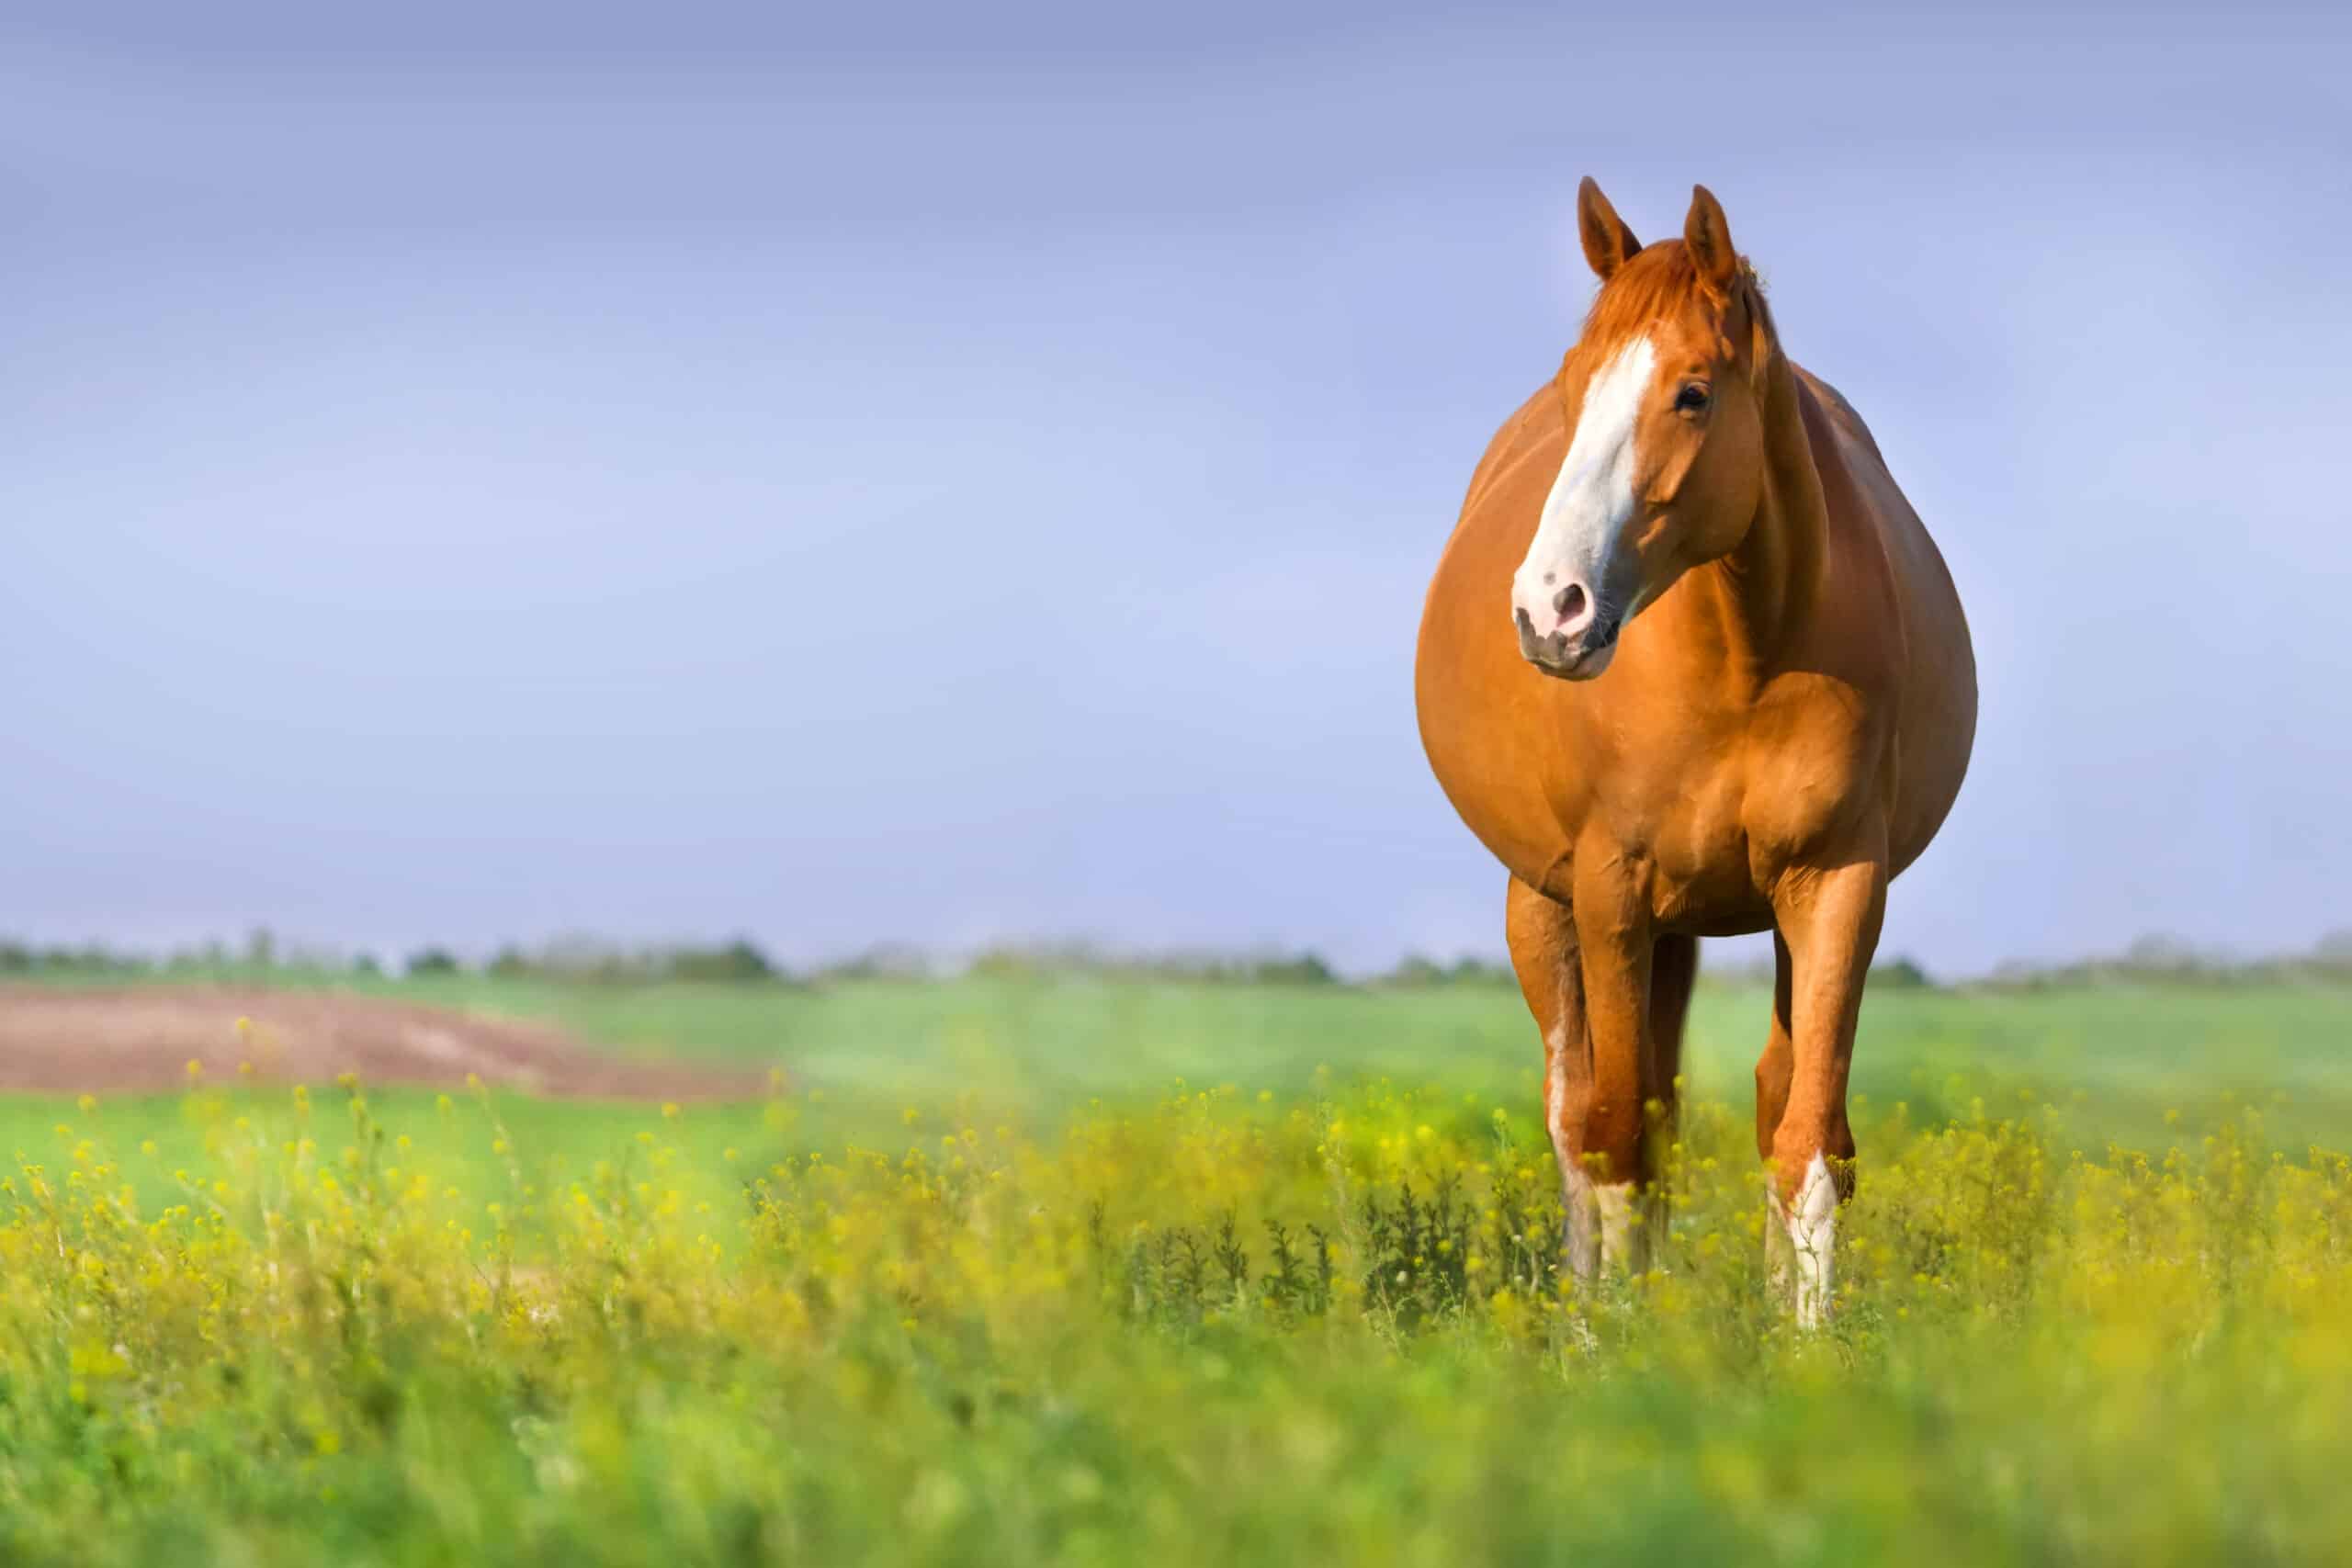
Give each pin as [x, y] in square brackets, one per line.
[1691, 666]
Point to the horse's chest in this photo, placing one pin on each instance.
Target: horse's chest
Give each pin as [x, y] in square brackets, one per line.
[1699, 854]
[1733, 816]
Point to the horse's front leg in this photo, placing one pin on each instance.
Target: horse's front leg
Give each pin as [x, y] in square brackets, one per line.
[1828, 915]
[1615, 946]
[1542, 940]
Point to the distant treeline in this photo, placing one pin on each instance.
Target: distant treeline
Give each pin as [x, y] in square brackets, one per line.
[737, 962]
[2161, 960]
[1268, 967]
[587, 961]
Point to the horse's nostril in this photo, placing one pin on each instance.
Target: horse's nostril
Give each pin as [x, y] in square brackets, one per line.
[1568, 602]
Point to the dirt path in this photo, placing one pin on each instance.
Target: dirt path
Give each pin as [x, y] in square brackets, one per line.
[143, 1037]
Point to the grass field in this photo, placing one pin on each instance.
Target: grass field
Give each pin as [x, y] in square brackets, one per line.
[1085, 1271]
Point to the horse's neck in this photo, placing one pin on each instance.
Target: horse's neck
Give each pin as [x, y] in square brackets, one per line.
[1772, 581]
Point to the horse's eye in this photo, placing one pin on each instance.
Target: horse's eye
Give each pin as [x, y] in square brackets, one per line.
[1692, 398]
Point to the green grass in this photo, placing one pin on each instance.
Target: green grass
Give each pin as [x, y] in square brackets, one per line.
[2118, 1058]
[1045, 1047]
[1000, 1281]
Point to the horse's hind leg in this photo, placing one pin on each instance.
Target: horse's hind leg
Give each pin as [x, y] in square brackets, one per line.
[1674, 974]
[1774, 1070]
[1778, 1063]
[1543, 940]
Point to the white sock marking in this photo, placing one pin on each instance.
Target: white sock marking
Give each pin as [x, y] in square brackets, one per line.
[1605, 1228]
[1579, 1246]
[1810, 1222]
[1624, 1229]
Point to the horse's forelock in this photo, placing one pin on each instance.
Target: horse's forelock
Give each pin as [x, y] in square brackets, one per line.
[1661, 282]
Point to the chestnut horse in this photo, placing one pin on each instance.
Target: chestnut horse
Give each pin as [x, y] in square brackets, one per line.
[1691, 666]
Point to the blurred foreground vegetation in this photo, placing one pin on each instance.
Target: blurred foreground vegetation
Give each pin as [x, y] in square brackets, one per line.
[271, 1326]
[1086, 1267]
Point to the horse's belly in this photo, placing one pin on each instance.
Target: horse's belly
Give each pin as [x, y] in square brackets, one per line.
[1938, 724]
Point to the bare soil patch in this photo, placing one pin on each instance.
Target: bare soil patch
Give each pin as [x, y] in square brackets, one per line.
[141, 1037]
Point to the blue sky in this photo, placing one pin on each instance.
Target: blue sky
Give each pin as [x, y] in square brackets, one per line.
[945, 474]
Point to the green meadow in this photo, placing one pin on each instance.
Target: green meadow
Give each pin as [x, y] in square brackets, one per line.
[2123, 1061]
[1085, 1270]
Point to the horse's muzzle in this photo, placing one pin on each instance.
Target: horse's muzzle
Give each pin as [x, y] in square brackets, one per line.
[1579, 657]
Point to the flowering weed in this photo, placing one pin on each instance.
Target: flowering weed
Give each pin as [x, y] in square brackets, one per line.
[1219, 1325]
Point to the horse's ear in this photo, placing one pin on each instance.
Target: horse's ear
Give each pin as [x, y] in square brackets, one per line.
[1608, 244]
[1706, 235]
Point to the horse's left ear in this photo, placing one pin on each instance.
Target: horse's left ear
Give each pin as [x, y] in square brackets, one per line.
[1607, 242]
[1706, 235]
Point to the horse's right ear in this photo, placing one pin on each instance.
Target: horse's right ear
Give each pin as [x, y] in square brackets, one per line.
[1608, 244]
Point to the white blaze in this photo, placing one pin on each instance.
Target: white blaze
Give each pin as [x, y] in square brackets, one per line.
[1592, 498]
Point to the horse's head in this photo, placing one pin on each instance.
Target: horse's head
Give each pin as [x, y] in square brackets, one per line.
[1664, 397]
